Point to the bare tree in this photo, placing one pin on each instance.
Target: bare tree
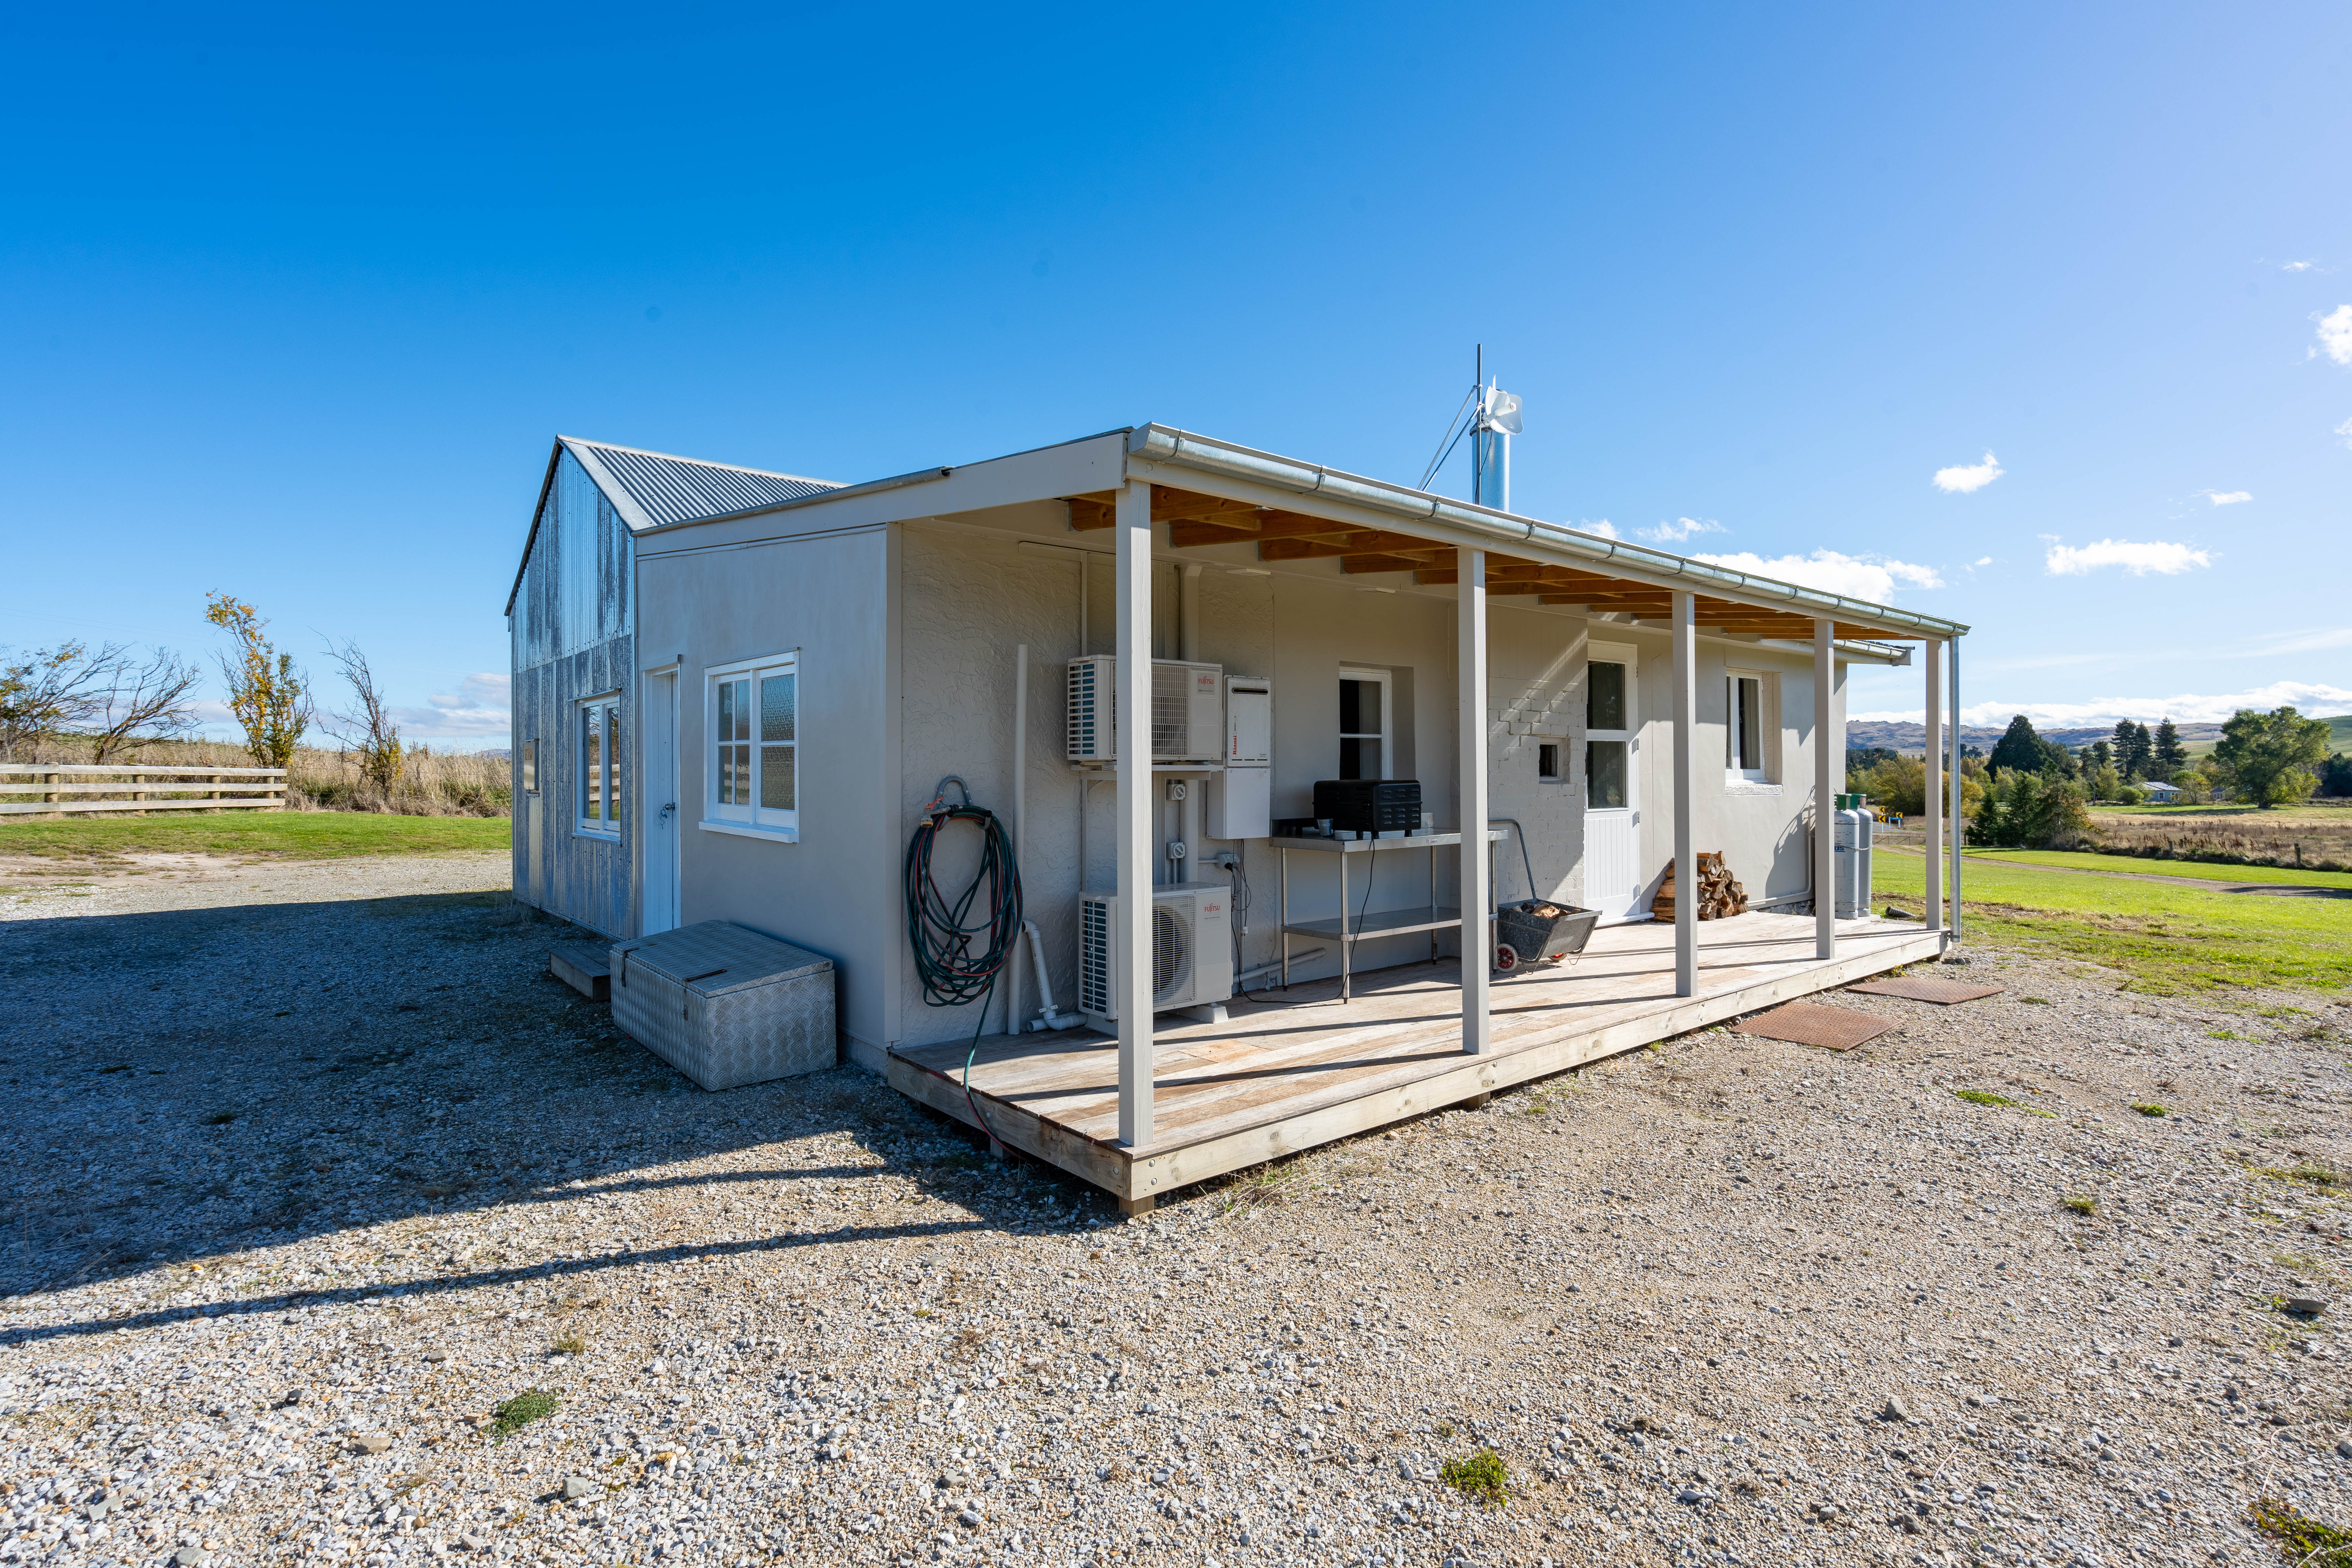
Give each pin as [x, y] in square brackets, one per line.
[54, 690]
[367, 728]
[144, 700]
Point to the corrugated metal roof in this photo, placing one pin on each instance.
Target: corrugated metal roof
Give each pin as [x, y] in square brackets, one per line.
[655, 488]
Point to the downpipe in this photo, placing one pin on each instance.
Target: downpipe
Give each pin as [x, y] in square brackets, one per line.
[1048, 1020]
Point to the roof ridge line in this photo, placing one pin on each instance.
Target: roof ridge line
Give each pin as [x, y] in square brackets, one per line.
[702, 462]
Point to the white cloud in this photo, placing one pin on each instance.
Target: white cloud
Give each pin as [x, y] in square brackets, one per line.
[2345, 430]
[1856, 576]
[1981, 561]
[2336, 334]
[2227, 498]
[1682, 528]
[2139, 560]
[2189, 708]
[2298, 266]
[1970, 477]
[478, 707]
[1604, 528]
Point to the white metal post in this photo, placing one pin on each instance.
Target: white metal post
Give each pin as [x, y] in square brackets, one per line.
[1686, 795]
[1959, 824]
[1470, 703]
[1020, 822]
[1824, 789]
[1132, 641]
[1934, 785]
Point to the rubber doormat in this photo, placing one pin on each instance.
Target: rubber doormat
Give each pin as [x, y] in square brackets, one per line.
[1943, 993]
[1811, 1024]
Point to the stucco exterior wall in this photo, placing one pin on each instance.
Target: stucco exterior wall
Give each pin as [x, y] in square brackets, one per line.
[834, 892]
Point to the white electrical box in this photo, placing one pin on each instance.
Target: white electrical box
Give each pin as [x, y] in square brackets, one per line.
[1191, 949]
[1187, 710]
[1240, 803]
[1249, 722]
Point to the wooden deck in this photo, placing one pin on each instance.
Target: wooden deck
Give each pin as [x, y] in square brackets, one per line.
[1304, 1068]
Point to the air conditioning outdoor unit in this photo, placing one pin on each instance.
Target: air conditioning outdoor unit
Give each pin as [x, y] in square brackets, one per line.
[1188, 710]
[1191, 949]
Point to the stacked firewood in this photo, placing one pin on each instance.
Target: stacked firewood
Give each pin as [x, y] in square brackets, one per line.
[1719, 892]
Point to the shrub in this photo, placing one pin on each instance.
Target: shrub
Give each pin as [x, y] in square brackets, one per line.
[512, 1416]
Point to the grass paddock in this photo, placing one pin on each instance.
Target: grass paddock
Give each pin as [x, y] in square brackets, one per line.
[2166, 937]
[280, 835]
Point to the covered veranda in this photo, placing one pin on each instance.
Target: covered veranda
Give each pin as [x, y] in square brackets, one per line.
[1159, 1107]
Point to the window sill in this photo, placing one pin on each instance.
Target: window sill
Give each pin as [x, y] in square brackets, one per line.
[1749, 786]
[582, 830]
[746, 830]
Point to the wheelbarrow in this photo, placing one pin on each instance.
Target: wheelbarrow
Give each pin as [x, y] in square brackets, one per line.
[1539, 931]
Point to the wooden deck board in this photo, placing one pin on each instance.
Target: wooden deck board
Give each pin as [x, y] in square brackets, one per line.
[1301, 1068]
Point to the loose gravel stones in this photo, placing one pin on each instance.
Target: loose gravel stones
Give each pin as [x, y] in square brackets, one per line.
[339, 1233]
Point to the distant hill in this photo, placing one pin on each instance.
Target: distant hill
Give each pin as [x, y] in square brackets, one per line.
[1911, 739]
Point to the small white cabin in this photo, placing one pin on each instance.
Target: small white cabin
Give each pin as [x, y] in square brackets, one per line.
[794, 666]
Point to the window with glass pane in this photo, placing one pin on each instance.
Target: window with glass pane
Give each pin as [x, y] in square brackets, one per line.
[592, 763]
[1363, 727]
[776, 744]
[1743, 730]
[734, 733]
[1604, 774]
[601, 765]
[531, 767]
[755, 728]
[1604, 696]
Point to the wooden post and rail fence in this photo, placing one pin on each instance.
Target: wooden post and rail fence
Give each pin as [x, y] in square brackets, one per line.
[73, 789]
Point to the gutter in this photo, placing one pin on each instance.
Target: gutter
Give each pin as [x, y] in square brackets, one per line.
[1481, 527]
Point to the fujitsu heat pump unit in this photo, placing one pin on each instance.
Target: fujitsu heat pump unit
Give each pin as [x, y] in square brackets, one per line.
[1188, 710]
[1191, 949]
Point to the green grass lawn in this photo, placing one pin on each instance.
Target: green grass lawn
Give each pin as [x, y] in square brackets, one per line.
[288, 835]
[2140, 866]
[2167, 938]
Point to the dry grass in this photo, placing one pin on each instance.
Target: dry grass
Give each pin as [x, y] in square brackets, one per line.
[433, 784]
[2316, 836]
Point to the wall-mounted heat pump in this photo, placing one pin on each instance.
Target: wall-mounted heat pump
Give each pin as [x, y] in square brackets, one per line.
[1188, 710]
[1191, 949]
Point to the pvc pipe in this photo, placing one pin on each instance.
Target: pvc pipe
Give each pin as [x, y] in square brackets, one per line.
[1046, 1018]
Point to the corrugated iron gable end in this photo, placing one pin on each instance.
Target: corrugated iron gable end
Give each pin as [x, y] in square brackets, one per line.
[668, 490]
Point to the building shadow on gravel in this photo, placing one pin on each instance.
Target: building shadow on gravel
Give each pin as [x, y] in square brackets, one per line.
[187, 1084]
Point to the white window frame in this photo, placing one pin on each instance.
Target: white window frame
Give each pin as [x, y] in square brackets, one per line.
[748, 817]
[602, 781]
[1761, 770]
[1387, 733]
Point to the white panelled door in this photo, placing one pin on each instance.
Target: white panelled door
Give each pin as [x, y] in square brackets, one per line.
[1613, 818]
[658, 808]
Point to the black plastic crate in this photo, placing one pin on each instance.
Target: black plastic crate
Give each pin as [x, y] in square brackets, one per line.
[1369, 806]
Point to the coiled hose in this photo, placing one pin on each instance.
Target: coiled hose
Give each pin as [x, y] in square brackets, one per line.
[962, 945]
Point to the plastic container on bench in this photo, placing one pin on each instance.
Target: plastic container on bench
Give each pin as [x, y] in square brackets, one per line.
[724, 1005]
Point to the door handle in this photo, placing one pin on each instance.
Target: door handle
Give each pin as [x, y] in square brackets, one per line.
[668, 810]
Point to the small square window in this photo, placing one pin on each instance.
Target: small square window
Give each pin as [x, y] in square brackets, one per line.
[1547, 761]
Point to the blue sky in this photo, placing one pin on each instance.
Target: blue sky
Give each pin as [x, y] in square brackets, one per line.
[295, 301]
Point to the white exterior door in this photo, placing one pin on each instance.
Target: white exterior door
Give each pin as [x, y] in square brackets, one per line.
[658, 805]
[1613, 818]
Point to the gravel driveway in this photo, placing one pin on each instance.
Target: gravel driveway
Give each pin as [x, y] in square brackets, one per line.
[311, 1169]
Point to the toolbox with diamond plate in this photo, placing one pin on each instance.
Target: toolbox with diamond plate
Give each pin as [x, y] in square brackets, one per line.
[724, 1005]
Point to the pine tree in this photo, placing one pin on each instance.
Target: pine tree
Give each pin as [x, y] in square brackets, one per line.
[2019, 748]
[2134, 746]
[2170, 755]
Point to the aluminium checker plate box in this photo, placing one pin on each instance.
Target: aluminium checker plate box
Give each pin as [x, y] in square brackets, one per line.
[726, 1005]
